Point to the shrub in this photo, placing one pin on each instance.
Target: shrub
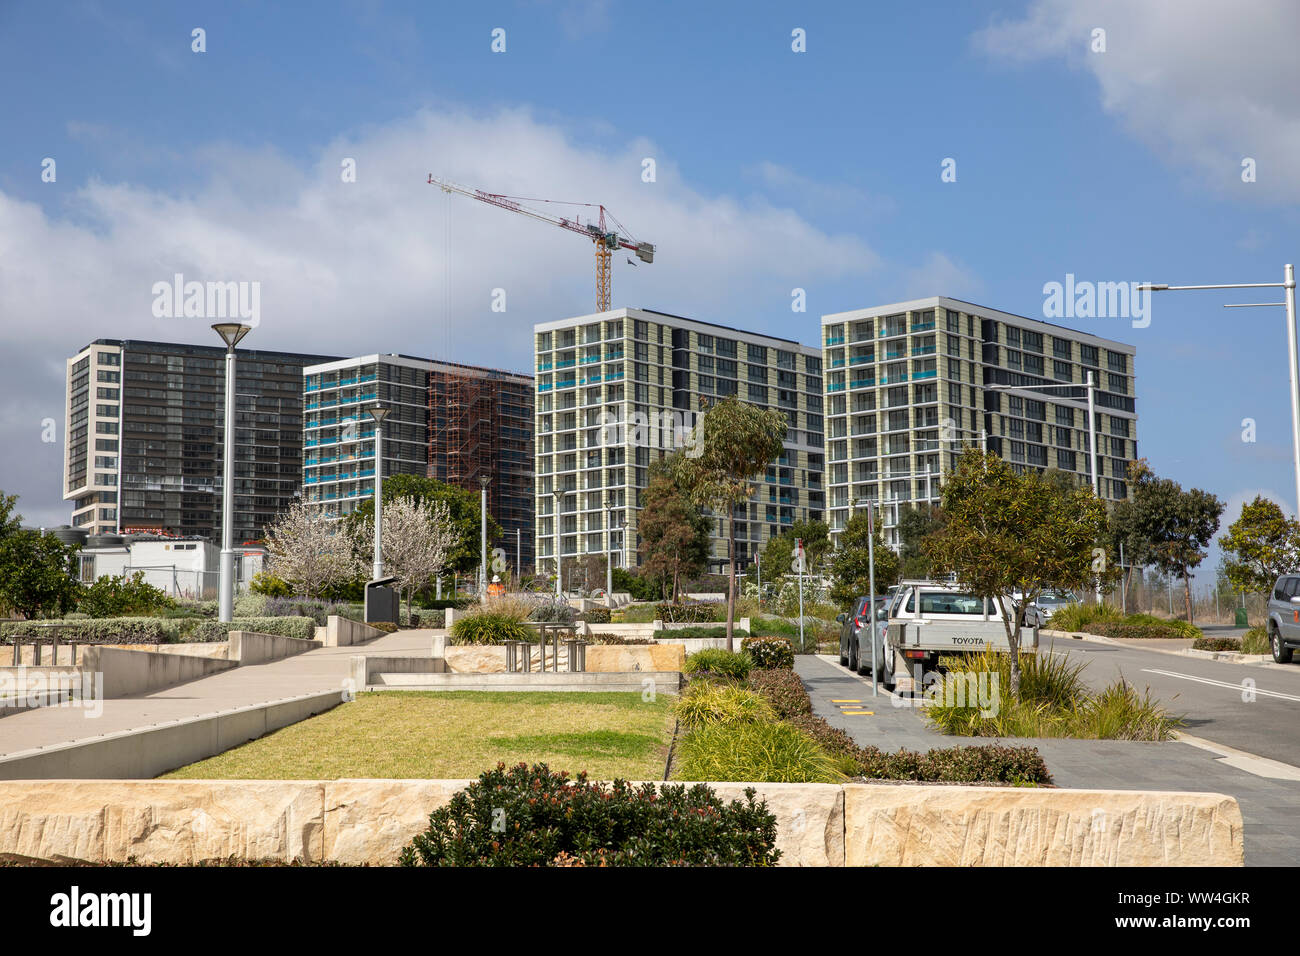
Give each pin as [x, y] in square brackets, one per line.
[695, 613]
[313, 608]
[1216, 644]
[759, 752]
[714, 660]
[550, 610]
[709, 703]
[769, 651]
[835, 741]
[988, 764]
[1255, 641]
[698, 632]
[616, 639]
[1119, 713]
[208, 631]
[116, 595]
[1079, 617]
[1164, 630]
[782, 688]
[251, 604]
[773, 627]
[490, 626]
[270, 585]
[596, 615]
[1183, 628]
[112, 630]
[532, 816]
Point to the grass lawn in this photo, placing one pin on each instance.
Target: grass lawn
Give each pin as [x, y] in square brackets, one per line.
[457, 734]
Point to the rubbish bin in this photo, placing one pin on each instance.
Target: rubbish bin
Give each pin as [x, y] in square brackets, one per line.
[1241, 617]
[381, 601]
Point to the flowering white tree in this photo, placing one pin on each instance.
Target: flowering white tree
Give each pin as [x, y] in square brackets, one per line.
[310, 552]
[418, 536]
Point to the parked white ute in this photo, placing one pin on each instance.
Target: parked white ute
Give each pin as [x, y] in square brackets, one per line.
[928, 619]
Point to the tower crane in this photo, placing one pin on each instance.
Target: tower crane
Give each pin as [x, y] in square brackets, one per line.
[607, 237]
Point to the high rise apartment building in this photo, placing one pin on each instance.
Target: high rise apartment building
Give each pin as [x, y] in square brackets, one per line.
[448, 421]
[144, 437]
[608, 384]
[908, 385]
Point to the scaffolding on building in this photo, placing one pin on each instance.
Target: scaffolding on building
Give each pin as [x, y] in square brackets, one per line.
[480, 425]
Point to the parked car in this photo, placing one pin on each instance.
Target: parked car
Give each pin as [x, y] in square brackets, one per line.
[1284, 618]
[1049, 602]
[851, 626]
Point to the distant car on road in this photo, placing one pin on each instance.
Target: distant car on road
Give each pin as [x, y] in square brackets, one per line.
[1284, 618]
[1049, 602]
[851, 626]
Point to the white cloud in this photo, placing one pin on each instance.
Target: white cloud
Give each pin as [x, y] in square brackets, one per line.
[350, 268]
[1202, 82]
[940, 275]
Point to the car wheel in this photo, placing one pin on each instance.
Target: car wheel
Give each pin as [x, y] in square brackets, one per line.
[864, 666]
[844, 658]
[887, 669]
[853, 655]
[1281, 653]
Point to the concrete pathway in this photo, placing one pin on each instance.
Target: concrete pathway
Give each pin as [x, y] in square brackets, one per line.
[1270, 803]
[319, 670]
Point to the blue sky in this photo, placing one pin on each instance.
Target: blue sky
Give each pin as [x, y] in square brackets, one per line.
[818, 170]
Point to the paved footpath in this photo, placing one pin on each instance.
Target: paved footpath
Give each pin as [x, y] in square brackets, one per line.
[322, 669]
[1270, 807]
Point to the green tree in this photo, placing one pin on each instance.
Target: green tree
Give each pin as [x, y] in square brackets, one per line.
[738, 442]
[1174, 526]
[1006, 533]
[850, 562]
[38, 573]
[914, 523]
[463, 506]
[1260, 546]
[674, 534]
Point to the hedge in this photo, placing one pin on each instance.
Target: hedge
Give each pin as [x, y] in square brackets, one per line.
[210, 631]
[1118, 629]
[617, 639]
[1216, 644]
[696, 632]
[106, 630]
[698, 613]
[595, 615]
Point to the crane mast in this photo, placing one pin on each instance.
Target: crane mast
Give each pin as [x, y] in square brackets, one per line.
[596, 229]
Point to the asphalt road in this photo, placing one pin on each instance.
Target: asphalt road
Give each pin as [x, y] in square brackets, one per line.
[1248, 707]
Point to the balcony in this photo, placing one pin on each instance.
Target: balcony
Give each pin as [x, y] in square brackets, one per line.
[835, 387]
[932, 373]
[861, 359]
[835, 340]
[925, 350]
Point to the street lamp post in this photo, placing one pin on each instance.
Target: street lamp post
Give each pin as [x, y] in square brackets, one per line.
[483, 481]
[559, 561]
[1288, 285]
[871, 593]
[231, 333]
[379, 413]
[609, 564]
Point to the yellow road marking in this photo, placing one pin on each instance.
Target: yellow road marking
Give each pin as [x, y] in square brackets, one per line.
[858, 713]
[846, 700]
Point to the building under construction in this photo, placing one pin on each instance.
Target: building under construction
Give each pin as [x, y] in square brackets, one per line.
[457, 423]
[481, 425]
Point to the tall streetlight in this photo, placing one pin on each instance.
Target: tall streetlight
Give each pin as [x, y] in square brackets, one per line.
[379, 413]
[483, 481]
[1288, 284]
[609, 561]
[559, 562]
[231, 333]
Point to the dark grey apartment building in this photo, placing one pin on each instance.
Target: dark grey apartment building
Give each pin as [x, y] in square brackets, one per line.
[144, 437]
